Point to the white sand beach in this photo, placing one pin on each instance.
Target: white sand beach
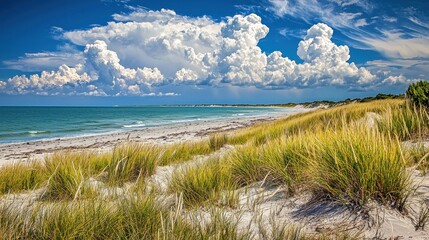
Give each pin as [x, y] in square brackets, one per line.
[179, 132]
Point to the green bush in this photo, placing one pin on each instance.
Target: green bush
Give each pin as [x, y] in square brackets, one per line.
[418, 93]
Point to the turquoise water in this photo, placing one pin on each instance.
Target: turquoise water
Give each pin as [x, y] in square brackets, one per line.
[19, 124]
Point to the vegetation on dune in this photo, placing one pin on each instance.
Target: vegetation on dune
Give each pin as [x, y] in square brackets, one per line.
[351, 154]
[358, 165]
[131, 162]
[203, 183]
[20, 177]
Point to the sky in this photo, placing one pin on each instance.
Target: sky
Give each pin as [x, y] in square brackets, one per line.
[134, 52]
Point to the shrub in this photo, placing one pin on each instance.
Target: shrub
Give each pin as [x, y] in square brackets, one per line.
[418, 93]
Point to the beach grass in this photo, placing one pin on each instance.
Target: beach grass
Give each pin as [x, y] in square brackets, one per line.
[351, 154]
[180, 152]
[202, 183]
[67, 174]
[131, 162]
[356, 165]
[20, 177]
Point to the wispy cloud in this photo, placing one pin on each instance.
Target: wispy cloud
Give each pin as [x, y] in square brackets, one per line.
[394, 45]
[311, 11]
[33, 62]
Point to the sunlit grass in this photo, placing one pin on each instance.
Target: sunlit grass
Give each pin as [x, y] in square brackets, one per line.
[67, 177]
[202, 183]
[335, 154]
[132, 161]
[185, 151]
[405, 121]
[19, 177]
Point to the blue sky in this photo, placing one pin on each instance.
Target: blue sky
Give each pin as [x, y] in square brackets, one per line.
[107, 52]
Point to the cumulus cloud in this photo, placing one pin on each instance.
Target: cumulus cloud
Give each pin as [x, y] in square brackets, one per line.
[65, 76]
[241, 61]
[186, 75]
[143, 50]
[101, 72]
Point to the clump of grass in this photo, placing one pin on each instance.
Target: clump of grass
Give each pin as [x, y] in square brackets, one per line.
[405, 121]
[279, 230]
[246, 166]
[220, 225]
[281, 162]
[202, 183]
[418, 156]
[132, 217]
[131, 162]
[137, 217]
[66, 180]
[286, 160]
[422, 217]
[355, 165]
[181, 152]
[20, 177]
[217, 141]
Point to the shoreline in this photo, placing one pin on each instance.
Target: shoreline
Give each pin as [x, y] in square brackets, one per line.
[34, 150]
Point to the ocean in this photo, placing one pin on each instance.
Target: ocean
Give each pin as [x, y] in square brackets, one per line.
[21, 124]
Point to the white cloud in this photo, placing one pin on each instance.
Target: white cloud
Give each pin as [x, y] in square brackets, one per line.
[313, 10]
[241, 61]
[147, 49]
[159, 39]
[390, 19]
[2, 85]
[400, 79]
[361, 23]
[366, 5]
[184, 75]
[407, 40]
[393, 44]
[33, 62]
[101, 72]
[47, 80]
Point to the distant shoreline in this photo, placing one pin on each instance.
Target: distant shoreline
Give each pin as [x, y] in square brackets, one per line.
[164, 134]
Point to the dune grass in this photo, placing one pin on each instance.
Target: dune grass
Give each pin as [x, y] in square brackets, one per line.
[334, 153]
[20, 177]
[180, 152]
[347, 159]
[132, 161]
[322, 119]
[136, 217]
[202, 183]
[406, 121]
[126, 162]
[418, 155]
[358, 165]
[128, 217]
[217, 140]
[67, 173]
